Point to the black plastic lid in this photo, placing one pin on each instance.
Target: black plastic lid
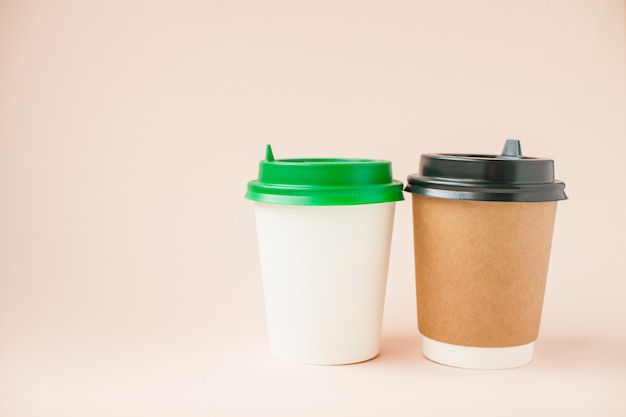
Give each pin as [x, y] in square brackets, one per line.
[506, 177]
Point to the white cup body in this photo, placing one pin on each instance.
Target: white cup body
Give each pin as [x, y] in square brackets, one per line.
[324, 276]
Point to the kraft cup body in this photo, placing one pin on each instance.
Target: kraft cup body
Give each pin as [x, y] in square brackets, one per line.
[480, 269]
[324, 274]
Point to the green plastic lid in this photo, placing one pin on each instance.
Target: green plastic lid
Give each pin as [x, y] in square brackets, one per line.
[324, 182]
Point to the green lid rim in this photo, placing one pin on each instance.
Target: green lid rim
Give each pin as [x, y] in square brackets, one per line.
[325, 196]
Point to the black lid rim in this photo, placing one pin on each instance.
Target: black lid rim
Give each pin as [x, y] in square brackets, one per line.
[529, 193]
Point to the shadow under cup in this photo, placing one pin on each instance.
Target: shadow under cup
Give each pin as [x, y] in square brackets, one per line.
[483, 228]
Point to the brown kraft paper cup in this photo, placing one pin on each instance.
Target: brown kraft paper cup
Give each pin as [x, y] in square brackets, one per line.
[481, 269]
[483, 229]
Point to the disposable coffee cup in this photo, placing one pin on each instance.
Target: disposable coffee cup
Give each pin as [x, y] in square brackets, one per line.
[324, 231]
[483, 229]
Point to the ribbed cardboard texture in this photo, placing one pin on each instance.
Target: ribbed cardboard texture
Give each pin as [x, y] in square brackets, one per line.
[481, 269]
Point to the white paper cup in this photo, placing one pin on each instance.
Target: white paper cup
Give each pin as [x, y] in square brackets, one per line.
[324, 230]
[324, 275]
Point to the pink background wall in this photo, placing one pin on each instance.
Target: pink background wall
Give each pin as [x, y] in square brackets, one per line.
[129, 276]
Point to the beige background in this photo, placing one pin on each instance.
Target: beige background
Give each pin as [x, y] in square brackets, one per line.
[129, 276]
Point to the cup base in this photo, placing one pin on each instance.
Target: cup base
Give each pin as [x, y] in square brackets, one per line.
[471, 357]
[325, 361]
